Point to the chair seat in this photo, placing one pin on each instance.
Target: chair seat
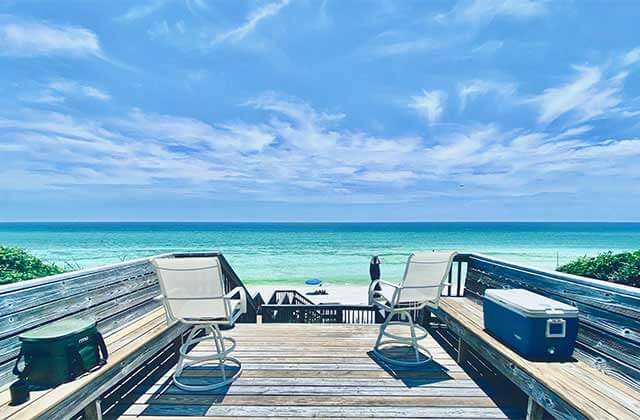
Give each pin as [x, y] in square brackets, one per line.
[217, 312]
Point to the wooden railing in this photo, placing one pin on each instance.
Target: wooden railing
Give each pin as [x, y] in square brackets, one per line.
[321, 314]
[609, 313]
[457, 276]
[114, 295]
[290, 306]
[290, 297]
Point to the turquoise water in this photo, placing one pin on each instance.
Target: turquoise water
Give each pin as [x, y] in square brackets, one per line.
[334, 252]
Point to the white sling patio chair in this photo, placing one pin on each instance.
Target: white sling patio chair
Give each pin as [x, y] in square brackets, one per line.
[424, 277]
[193, 292]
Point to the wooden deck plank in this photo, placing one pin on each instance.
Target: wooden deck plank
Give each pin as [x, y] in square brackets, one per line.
[354, 374]
[306, 400]
[341, 380]
[386, 412]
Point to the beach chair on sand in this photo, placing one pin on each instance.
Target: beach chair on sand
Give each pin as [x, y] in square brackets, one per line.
[193, 292]
[424, 277]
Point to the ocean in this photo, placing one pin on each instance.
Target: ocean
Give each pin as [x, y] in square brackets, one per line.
[337, 253]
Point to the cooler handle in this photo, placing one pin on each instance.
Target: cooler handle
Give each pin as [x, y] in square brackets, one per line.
[102, 346]
[556, 322]
[24, 373]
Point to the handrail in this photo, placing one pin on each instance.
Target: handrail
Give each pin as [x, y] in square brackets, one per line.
[28, 284]
[586, 281]
[297, 295]
[322, 313]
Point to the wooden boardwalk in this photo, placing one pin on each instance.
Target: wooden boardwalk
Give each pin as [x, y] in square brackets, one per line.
[305, 370]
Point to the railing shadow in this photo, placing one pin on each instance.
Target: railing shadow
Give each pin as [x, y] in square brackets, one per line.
[493, 383]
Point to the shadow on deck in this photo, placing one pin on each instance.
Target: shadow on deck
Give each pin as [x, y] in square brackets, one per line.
[301, 371]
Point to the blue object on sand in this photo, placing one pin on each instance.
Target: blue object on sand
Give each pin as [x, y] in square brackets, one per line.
[313, 282]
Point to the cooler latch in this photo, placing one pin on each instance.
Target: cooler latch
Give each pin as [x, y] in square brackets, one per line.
[556, 328]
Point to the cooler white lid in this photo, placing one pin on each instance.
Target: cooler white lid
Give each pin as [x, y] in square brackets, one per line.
[530, 303]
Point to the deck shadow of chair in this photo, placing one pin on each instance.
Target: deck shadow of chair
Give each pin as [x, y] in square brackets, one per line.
[415, 376]
[171, 400]
[194, 293]
[421, 286]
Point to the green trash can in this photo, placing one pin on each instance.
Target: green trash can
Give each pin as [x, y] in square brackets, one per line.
[59, 352]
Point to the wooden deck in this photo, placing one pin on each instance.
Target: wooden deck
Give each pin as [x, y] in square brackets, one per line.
[305, 370]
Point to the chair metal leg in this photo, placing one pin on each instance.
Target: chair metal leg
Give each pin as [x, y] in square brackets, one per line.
[221, 356]
[398, 339]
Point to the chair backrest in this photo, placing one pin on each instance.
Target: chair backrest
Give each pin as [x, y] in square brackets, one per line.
[192, 288]
[424, 277]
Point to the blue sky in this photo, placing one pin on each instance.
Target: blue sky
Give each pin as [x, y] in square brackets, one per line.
[328, 110]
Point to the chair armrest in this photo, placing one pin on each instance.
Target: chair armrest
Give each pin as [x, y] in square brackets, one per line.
[388, 283]
[372, 290]
[243, 298]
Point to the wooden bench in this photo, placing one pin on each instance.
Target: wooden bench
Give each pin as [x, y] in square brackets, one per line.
[129, 348]
[122, 298]
[602, 381]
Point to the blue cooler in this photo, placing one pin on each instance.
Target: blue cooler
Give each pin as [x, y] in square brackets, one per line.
[535, 326]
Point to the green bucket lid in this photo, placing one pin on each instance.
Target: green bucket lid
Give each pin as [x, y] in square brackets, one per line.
[58, 329]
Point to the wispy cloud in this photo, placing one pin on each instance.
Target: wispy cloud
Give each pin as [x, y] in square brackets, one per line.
[632, 57]
[192, 132]
[588, 95]
[240, 32]
[404, 47]
[488, 47]
[77, 89]
[429, 104]
[140, 11]
[467, 91]
[294, 151]
[475, 11]
[30, 38]
[167, 30]
[59, 90]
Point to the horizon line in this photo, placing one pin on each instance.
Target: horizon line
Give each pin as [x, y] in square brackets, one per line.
[318, 221]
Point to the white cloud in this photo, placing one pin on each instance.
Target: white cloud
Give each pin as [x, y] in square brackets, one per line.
[22, 38]
[58, 90]
[293, 151]
[588, 95]
[404, 47]
[488, 47]
[240, 32]
[195, 6]
[429, 104]
[77, 89]
[479, 10]
[169, 31]
[483, 11]
[467, 91]
[632, 57]
[141, 10]
[192, 132]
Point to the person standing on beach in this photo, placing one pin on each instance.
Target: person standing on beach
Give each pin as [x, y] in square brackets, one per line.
[374, 271]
